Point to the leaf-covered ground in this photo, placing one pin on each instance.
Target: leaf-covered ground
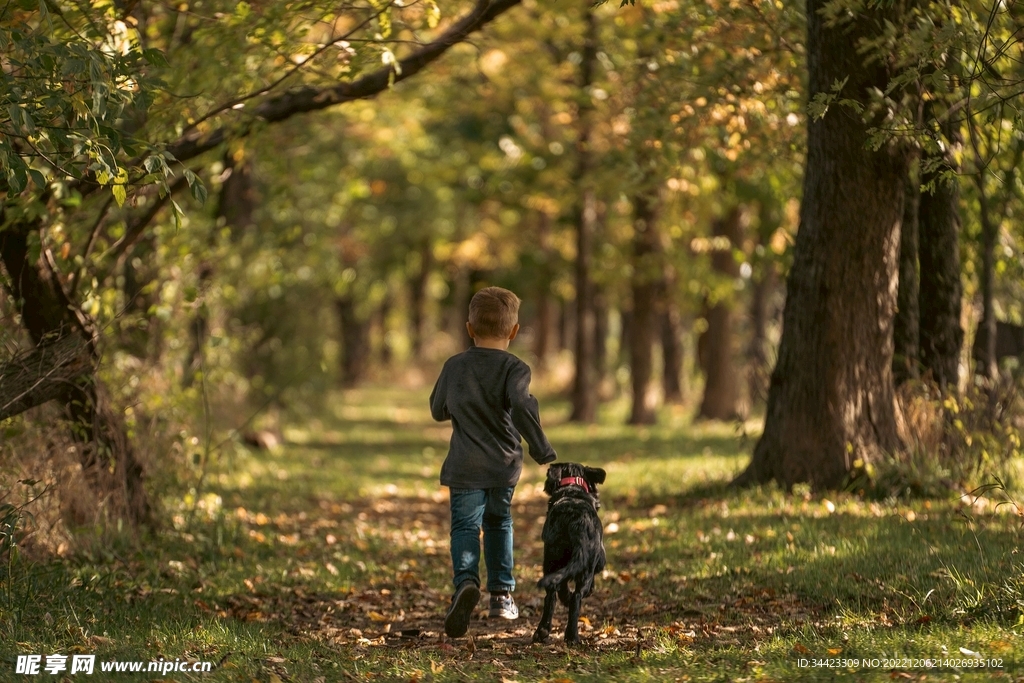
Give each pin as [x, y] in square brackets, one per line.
[328, 560]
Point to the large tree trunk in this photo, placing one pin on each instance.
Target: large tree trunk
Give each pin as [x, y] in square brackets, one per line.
[647, 281]
[717, 346]
[906, 326]
[831, 399]
[584, 389]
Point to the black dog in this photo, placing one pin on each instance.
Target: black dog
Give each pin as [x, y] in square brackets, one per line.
[573, 543]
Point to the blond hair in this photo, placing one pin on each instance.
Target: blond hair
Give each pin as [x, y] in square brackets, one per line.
[493, 312]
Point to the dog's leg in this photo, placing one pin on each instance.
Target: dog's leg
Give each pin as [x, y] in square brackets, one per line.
[572, 634]
[544, 627]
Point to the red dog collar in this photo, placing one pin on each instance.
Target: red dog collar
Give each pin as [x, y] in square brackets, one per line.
[579, 481]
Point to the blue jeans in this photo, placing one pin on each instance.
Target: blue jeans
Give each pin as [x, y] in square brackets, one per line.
[490, 509]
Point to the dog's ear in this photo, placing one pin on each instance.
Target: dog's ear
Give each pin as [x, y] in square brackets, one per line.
[595, 475]
[551, 483]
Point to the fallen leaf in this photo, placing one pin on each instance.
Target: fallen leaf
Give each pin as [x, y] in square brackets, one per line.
[801, 649]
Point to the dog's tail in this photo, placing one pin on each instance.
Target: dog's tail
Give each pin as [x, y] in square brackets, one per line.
[576, 565]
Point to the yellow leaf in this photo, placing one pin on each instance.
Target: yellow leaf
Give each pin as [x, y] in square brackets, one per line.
[435, 667]
[377, 616]
[835, 650]
[274, 678]
[585, 621]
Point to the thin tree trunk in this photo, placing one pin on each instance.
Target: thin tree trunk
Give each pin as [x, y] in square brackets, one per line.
[383, 313]
[941, 292]
[457, 314]
[584, 390]
[418, 298]
[757, 353]
[355, 341]
[986, 334]
[626, 324]
[831, 400]
[235, 207]
[906, 326]
[600, 337]
[647, 281]
[545, 311]
[143, 339]
[673, 354]
[986, 350]
[566, 325]
[717, 345]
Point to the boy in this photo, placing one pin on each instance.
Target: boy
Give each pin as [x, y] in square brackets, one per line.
[485, 392]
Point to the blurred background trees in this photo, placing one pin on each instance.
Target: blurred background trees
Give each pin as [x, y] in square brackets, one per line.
[218, 214]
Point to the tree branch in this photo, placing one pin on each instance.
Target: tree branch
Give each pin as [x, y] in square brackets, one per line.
[309, 99]
[43, 374]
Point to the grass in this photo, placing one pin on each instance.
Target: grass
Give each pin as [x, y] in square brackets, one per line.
[327, 561]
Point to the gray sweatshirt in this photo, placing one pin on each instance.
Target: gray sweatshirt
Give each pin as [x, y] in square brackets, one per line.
[486, 394]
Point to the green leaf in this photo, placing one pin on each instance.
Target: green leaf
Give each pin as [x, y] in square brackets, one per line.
[155, 57]
[120, 194]
[178, 214]
[199, 191]
[38, 179]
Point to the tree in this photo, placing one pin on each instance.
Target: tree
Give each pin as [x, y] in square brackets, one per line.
[906, 326]
[831, 399]
[66, 136]
[584, 387]
[716, 348]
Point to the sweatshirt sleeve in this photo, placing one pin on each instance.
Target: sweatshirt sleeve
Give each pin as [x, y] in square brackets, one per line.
[526, 415]
[438, 398]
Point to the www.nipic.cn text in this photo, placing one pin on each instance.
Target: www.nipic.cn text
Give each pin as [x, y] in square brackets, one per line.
[32, 665]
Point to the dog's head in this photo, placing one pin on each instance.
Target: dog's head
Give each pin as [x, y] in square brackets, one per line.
[562, 473]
